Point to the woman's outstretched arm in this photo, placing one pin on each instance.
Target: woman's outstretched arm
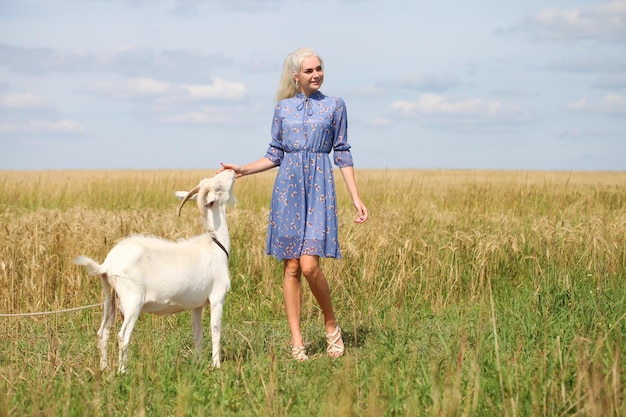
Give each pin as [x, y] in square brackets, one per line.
[260, 165]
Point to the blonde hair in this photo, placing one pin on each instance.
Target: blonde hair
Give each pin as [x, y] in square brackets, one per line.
[291, 66]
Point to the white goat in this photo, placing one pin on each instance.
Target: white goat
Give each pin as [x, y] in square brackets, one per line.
[153, 275]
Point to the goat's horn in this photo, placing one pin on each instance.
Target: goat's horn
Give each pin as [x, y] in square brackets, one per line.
[187, 197]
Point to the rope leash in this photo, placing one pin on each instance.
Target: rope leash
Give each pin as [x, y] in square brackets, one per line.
[43, 313]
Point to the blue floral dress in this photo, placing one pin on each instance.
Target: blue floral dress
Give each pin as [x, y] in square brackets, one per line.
[303, 214]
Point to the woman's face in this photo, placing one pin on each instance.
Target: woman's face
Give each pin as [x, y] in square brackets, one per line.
[311, 75]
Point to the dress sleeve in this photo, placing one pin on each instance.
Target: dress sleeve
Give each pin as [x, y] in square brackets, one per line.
[275, 151]
[341, 147]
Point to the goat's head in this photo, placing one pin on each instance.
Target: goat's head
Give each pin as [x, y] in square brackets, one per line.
[215, 190]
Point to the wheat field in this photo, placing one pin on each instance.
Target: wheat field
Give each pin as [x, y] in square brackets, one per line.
[466, 293]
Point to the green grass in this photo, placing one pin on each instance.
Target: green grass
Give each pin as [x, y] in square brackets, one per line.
[465, 294]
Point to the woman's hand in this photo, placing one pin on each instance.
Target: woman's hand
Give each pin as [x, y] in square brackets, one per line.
[361, 210]
[236, 168]
[261, 165]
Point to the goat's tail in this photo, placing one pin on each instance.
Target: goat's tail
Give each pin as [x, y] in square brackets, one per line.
[93, 267]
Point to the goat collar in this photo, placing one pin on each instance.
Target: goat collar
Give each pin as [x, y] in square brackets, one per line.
[217, 242]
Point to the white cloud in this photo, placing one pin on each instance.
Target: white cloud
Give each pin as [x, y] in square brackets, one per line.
[590, 66]
[165, 92]
[365, 91]
[45, 60]
[21, 101]
[605, 21]
[147, 87]
[132, 89]
[577, 133]
[431, 109]
[380, 122]
[220, 89]
[610, 104]
[208, 115]
[427, 82]
[133, 60]
[38, 126]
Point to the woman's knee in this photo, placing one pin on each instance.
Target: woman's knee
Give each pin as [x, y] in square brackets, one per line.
[292, 268]
[310, 267]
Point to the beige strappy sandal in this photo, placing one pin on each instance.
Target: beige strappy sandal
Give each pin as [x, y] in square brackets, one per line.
[299, 353]
[335, 349]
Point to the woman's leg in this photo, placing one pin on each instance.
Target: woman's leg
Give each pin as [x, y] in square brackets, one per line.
[310, 267]
[292, 294]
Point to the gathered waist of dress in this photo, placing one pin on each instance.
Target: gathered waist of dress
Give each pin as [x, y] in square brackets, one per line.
[304, 151]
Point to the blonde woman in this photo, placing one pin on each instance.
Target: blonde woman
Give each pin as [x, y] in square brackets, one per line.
[303, 223]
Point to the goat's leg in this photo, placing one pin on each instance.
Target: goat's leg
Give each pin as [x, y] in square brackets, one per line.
[123, 338]
[108, 317]
[217, 307]
[196, 325]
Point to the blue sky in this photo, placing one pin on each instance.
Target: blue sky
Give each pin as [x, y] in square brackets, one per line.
[176, 84]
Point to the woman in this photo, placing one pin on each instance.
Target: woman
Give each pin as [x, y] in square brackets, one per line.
[303, 221]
